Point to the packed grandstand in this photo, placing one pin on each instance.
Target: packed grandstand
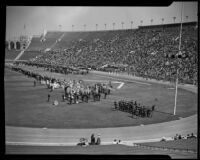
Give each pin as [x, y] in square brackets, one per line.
[149, 51]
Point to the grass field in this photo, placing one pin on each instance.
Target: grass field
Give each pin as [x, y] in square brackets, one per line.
[27, 106]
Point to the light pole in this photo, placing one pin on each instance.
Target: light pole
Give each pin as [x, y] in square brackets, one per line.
[151, 21]
[122, 24]
[96, 26]
[186, 18]
[59, 27]
[113, 26]
[174, 19]
[131, 24]
[177, 71]
[84, 26]
[162, 20]
[72, 27]
[141, 22]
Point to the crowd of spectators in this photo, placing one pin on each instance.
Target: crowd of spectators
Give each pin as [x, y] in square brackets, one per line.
[147, 52]
[178, 136]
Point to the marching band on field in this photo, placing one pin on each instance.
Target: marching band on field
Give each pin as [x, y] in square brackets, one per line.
[76, 91]
[73, 91]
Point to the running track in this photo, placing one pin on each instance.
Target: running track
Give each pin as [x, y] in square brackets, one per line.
[128, 135]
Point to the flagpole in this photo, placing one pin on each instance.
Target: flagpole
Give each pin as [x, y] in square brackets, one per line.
[177, 70]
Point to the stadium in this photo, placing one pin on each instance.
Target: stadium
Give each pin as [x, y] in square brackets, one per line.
[134, 89]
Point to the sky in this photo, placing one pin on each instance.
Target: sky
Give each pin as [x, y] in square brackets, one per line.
[33, 20]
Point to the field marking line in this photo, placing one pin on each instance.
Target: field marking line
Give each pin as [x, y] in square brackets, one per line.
[121, 85]
[124, 79]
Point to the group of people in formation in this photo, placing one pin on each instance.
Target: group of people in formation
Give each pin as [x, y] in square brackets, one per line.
[134, 108]
[73, 91]
[76, 91]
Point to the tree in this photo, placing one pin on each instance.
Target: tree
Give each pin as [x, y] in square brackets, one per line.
[72, 27]
[141, 22]
[105, 25]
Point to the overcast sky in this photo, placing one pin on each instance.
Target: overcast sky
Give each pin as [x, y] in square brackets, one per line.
[36, 19]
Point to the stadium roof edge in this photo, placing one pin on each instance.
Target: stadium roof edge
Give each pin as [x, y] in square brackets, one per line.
[139, 27]
[168, 25]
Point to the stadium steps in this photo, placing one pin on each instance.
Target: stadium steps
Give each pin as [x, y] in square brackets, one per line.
[58, 40]
[19, 55]
[22, 52]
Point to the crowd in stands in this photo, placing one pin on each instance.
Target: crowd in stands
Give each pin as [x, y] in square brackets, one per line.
[11, 54]
[134, 108]
[189, 136]
[148, 52]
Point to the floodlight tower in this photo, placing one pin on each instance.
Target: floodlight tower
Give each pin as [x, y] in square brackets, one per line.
[177, 63]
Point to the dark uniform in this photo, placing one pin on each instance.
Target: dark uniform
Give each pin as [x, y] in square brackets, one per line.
[34, 83]
[48, 97]
[105, 94]
[63, 97]
[115, 104]
[153, 108]
[70, 99]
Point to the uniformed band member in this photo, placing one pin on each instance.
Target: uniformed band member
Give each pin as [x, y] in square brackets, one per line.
[34, 83]
[63, 98]
[115, 104]
[48, 97]
[105, 94]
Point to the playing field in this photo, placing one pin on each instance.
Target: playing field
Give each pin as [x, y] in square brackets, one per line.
[26, 105]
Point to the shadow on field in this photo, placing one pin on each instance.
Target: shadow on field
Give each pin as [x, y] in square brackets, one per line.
[133, 117]
[163, 112]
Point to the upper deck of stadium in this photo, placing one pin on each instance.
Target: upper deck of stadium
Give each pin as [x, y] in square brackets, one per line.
[61, 39]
